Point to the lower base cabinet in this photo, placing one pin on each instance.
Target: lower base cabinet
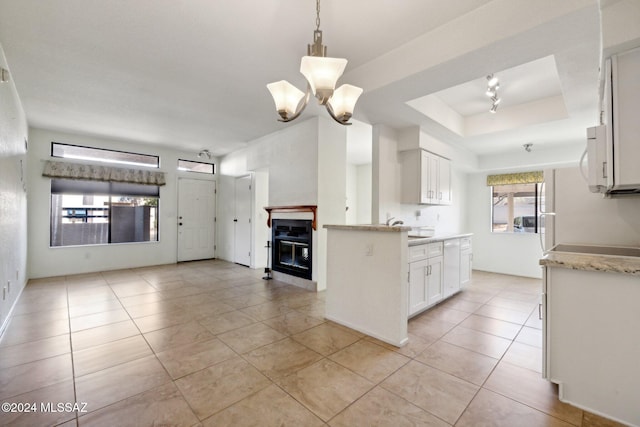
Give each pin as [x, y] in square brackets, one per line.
[426, 274]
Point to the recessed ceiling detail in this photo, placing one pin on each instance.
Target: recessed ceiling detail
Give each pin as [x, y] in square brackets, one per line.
[533, 95]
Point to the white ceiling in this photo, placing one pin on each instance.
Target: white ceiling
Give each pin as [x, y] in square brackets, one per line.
[192, 74]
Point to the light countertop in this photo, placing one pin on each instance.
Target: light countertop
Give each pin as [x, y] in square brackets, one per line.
[369, 227]
[592, 262]
[415, 241]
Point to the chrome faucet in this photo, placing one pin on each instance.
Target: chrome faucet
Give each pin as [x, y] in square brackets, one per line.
[391, 224]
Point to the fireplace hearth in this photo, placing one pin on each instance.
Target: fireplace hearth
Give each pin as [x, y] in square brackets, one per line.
[291, 247]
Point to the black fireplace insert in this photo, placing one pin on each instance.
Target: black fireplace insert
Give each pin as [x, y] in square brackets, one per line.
[291, 247]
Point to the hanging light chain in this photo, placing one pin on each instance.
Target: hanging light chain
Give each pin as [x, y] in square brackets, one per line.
[317, 15]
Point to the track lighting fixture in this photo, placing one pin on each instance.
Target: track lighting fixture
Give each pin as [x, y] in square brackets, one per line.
[493, 84]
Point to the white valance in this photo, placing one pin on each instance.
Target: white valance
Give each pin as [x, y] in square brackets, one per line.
[67, 170]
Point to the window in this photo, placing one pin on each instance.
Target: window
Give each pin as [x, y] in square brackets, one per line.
[516, 199]
[190, 166]
[93, 205]
[94, 213]
[515, 208]
[79, 152]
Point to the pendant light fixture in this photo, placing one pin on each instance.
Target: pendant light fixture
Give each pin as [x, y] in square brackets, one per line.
[322, 73]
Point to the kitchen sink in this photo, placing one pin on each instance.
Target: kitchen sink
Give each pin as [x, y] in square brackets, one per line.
[598, 250]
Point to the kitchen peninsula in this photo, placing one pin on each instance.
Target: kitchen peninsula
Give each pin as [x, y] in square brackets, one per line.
[369, 283]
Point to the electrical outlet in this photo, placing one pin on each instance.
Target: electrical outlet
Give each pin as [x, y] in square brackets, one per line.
[369, 250]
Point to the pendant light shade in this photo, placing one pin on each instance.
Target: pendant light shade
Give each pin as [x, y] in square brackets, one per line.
[286, 96]
[322, 73]
[343, 101]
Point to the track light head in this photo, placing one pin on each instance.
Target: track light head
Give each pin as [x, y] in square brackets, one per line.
[493, 81]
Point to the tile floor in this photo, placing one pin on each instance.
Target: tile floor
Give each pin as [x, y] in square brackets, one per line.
[211, 344]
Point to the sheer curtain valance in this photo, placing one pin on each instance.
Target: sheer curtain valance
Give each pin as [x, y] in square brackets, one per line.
[67, 170]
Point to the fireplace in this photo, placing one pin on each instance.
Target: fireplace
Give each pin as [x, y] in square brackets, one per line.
[291, 247]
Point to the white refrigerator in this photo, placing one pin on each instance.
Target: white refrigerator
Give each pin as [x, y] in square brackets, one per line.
[584, 217]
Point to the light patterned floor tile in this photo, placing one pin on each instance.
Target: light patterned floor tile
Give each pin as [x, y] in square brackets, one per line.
[437, 392]
[268, 407]
[325, 388]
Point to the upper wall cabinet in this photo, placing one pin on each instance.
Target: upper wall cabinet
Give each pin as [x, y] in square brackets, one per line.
[426, 178]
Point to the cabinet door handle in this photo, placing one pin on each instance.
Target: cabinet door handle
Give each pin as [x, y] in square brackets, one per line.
[540, 311]
[604, 169]
[440, 195]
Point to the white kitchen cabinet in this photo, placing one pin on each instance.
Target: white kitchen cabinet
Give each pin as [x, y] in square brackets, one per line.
[434, 280]
[417, 286]
[444, 181]
[425, 276]
[590, 340]
[426, 178]
[466, 260]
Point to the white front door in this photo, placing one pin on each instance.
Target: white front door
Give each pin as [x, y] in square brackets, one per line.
[196, 219]
[242, 221]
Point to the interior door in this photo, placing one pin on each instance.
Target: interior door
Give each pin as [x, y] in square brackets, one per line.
[196, 219]
[242, 221]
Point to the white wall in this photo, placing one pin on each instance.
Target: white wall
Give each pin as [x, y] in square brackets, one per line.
[352, 194]
[359, 194]
[507, 253]
[13, 196]
[290, 156]
[46, 261]
[363, 201]
[385, 179]
[332, 187]
[260, 231]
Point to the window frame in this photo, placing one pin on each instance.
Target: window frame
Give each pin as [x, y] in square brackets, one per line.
[108, 189]
[102, 160]
[110, 194]
[538, 226]
[213, 167]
